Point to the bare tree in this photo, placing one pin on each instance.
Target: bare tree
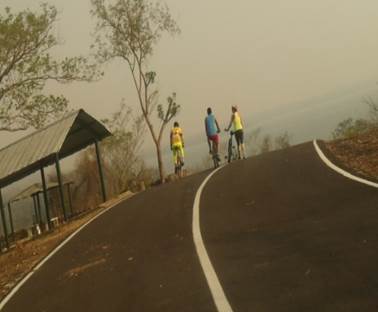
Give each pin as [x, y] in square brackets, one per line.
[266, 144]
[86, 188]
[26, 65]
[282, 141]
[121, 150]
[129, 30]
[351, 127]
[253, 139]
[373, 110]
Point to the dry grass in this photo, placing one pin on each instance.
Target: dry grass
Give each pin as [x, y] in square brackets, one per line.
[359, 153]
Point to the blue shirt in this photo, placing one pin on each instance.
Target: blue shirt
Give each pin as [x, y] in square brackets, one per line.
[211, 126]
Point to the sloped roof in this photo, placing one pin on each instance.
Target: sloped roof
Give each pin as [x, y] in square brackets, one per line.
[35, 189]
[26, 193]
[72, 133]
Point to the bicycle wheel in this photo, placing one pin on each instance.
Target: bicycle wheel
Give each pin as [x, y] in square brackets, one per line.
[230, 151]
[215, 161]
[180, 162]
[214, 156]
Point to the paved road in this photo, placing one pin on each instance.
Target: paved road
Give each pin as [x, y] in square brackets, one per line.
[283, 231]
[289, 234]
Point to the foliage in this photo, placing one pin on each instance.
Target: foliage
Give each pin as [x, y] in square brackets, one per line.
[129, 30]
[253, 141]
[26, 39]
[266, 144]
[86, 191]
[258, 145]
[282, 141]
[121, 150]
[123, 168]
[373, 111]
[351, 127]
[172, 109]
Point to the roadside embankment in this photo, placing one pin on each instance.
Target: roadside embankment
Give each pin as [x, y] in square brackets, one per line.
[358, 154]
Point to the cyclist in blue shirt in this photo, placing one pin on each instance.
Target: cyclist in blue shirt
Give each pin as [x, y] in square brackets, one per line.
[212, 132]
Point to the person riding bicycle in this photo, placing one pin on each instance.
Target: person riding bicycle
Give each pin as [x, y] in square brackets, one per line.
[237, 124]
[177, 145]
[212, 131]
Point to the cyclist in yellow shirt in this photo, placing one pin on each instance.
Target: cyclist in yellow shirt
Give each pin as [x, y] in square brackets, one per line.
[177, 147]
[237, 124]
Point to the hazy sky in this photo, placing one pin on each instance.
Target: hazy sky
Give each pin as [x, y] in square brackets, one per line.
[259, 54]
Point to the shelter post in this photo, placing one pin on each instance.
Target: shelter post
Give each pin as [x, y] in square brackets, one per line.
[70, 197]
[45, 197]
[61, 190]
[103, 190]
[39, 208]
[35, 209]
[5, 229]
[11, 219]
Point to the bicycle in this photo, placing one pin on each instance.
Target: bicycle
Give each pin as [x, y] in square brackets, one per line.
[178, 160]
[232, 154]
[215, 156]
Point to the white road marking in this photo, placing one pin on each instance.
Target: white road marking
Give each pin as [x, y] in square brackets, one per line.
[216, 289]
[341, 171]
[37, 267]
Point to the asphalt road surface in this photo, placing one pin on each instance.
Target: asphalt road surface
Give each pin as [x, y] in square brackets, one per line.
[283, 232]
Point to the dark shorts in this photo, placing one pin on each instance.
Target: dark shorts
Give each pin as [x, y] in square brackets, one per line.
[214, 138]
[239, 136]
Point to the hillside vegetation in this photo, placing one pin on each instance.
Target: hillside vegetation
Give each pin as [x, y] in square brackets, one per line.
[358, 153]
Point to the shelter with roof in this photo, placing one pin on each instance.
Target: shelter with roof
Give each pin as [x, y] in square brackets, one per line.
[33, 192]
[46, 147]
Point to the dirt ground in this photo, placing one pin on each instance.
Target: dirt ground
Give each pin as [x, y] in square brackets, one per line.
[359, 154]
[25, 255]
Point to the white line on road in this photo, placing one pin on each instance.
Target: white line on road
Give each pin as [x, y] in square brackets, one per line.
[216, 289]
[341, 171]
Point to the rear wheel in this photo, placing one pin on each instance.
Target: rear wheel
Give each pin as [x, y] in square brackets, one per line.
[230, 151]
[179, 170]
[179, 164]
[234, 153]
[215, 160]
[215, 156]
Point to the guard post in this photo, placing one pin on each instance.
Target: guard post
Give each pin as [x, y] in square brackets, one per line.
[5, 229]
[11, 220]
[61, 191]
[45, 198]
[100, 171]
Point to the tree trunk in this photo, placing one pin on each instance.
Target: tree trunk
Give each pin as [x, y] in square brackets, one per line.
[157, 141]
[160, 162]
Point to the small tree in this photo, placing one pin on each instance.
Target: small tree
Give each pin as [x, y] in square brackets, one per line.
[253, 139]
[86, 189]
[120, 151]
[351, 127]
[373, 110]
[266, 144]
[26, 38]
[130, 30]
[282, 141]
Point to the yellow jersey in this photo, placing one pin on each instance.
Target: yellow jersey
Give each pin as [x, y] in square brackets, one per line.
[237, 123]
[176, 136]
